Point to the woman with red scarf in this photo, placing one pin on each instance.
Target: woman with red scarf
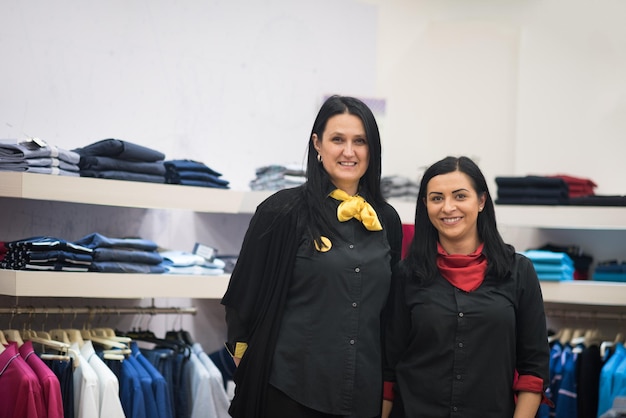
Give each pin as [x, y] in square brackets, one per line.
[466, 334]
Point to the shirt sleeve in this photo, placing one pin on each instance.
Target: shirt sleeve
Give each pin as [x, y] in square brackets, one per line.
[532, 337]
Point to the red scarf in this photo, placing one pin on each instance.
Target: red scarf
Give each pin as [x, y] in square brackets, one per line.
[465, 272]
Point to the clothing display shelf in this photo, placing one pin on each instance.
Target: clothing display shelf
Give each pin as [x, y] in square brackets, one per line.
[119, 193]
[602, 218]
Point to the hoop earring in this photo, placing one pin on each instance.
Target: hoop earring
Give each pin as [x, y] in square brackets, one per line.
[319, 158]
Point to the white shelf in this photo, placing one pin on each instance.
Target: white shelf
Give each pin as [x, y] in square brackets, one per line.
[127, 193]
[110, 285]
[583, 292]
[562, 217]
[550, 217]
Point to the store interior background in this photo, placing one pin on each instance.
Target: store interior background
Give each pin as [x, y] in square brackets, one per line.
[522, 86]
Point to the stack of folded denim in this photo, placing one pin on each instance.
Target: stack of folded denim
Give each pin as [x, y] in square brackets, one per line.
[277, 177]
[121, 160]
[122, 255]
[399, 187]
[34, 155]
[44, 253]
[549, 265]
[193, 173]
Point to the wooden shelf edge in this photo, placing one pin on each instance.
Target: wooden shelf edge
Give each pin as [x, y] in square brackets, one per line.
[562, 217]
[121, 193]
[110, 285]
[584, 292]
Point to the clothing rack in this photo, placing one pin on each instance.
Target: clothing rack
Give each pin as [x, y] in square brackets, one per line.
[585, 315]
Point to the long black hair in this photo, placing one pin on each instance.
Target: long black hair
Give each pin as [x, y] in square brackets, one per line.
[318, 181]
[421, 260]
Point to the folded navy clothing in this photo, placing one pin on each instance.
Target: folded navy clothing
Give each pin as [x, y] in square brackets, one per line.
[598, 200]
[99, 163]
[201, 183]
[611, 267]
[531, 201]
[45, 253]
[122, 267]
[96, 240]
[531, 181]
[189, 165]
[128, 256]
[120, 149]
[532, 190]
[123, 175]
[46, 243]
[193, 173]
[541, 192]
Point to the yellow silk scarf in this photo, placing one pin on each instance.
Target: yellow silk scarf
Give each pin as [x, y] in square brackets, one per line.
[356, 207]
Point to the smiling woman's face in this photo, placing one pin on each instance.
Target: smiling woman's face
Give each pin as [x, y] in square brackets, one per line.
[453, 206]
[344, 151]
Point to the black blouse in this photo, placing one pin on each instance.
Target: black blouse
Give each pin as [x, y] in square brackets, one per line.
[454, 353]
[328, 354]
[257, 296]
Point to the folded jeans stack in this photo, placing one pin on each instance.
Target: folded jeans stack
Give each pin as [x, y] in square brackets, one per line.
[121, 160]
[34, 155]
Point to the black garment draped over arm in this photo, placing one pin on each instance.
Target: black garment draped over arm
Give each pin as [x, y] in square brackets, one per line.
[257, 291]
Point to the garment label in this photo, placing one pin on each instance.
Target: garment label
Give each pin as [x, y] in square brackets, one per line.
[205, 251]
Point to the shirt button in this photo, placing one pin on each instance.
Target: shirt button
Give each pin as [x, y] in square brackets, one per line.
[454, 408]
[458, 377]
[357, 269]
[461, 314]
[460, 345]
[354, 304]
[352, 342]
[351, 246]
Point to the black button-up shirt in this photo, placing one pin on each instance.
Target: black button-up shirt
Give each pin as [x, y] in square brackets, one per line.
[328, 353]
[455, 353]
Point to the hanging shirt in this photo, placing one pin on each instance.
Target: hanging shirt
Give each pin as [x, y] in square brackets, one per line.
[108, 384]
[20, 390]
[608, 389]
[50, 385]
[197, 378]
[160, 390]
[216, 382]
[86, 388]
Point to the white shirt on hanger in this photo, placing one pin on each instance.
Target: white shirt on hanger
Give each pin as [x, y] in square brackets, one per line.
[108, 383]
[86, 388]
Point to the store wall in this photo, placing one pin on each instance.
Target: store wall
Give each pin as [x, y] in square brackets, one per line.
[526, 87]
[522, 86]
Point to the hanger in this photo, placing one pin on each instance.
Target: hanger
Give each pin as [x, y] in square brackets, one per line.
[565, 335]
[578, 337]
[593, 336]
[74, 334]
[103, 341]
[180, 335]
[12, 335]
[3, 342]
[605, 346]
